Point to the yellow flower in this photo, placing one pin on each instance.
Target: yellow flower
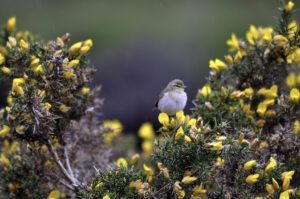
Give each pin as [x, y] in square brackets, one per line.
[34, 61]
[229, 59]
[164, 119]
[215, 146]
[69, 74]
[271, 166]
[249, 92]
[146, 131]
[147, 146]
[217, 65]
[6, 70]
[106, 197]
[72, 63]
[187, 139]
[294, 95]
[267, 34]
[286, 194]
[63, 108]
[179, 134]
[2, 58]
[263, 144]
[39, 69]
[291, 80]
[135, 158]
[220, 161]
[5, 130]
[252, 179]
[275, 184]
[188, 179]
[85, 90]
[5, 160]
[280, 40]
[192, 122]
[54, 194]
[24, 45]
[268, 93]
[296, 127]
[20, 129]
[238, 56]
[180, 117]
[292, 29]
[249, 165]
[270, 189]
[122, 162]
[233, 43]
[252, 35]
[261, 109]
[199, 190]
[75, 47]
[289, 6]
[88, 42]
[11, 24]
[149, 172]
[287, 177]
[206, 90]
[84, 50]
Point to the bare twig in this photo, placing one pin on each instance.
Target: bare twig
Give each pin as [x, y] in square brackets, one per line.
[69, 177]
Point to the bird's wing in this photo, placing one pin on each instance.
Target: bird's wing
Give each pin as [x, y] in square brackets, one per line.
[161, 95]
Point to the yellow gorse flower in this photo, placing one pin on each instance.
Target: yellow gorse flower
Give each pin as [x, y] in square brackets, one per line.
[280, 40]
[5, 161]
[292, 29]
[180, 117]
[164, 119]
[233, 43]
[24, 45]
[199, 190]
[179, 133]
[206, 90]
[2, 58]
[271, 166]
[135, 158]
[275, 184]
[291, 80]
[268, 93]
[122, 162]
[5, 130]
[296, 127]
[289, 6]
[285, 194]
[11, 24]
[85, 90]
[270, 189]
[215, 146]
[287, 177]
[6, 70]
[217, 65]
[294, 95]
[146, 131]
[249, 165]
[63, 108]
[106, 197]
[54, 194]
[188, 179]
[252, 179]
[149, 172]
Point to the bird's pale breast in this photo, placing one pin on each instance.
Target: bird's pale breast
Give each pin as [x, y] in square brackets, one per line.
[172, 102]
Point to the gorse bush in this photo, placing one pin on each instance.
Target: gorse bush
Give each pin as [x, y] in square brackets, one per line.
[241, 141]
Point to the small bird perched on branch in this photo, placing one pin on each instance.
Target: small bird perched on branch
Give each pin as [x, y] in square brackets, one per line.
[173, 98]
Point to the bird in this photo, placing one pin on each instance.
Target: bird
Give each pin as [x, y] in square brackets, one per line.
[173, 98]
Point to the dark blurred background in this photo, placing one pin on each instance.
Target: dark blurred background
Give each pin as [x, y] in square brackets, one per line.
[140, 45]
